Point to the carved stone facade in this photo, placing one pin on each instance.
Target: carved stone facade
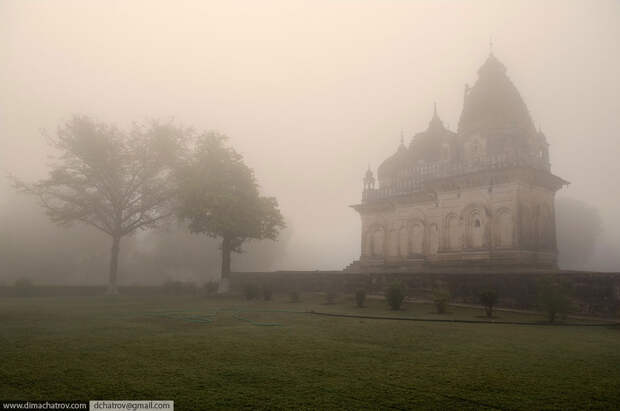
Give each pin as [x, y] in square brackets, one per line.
[480, 197]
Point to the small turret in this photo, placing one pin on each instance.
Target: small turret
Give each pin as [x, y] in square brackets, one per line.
[369, 180]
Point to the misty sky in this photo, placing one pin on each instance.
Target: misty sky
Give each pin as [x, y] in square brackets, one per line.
[311, 92]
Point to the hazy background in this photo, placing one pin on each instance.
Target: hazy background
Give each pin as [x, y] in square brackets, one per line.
[310, 93]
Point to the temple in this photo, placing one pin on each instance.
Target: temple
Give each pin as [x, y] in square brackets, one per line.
[478, 198]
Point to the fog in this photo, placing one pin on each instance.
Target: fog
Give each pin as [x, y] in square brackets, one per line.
[312, 92]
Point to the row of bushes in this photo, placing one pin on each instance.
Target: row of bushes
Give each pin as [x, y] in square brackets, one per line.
[395, 294]
[553, 297]
[590, 293]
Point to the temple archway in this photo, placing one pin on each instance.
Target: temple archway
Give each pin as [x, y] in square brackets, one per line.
[417, 237]
[393, 247]
[453, 233]
[475, 226]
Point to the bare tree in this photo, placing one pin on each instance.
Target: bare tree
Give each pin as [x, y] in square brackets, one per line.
[115, 181]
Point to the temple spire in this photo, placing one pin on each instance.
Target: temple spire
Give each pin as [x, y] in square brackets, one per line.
[435, 121]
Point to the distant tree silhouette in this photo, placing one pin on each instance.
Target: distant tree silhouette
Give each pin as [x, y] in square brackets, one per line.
[578, 227]
[115, 181]
[219, 197]
[32, 246]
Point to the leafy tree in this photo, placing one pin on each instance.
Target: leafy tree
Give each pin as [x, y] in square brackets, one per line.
[110, 179]
[219, 197]
[488, 299]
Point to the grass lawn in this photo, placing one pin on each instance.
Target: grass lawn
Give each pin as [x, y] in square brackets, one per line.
[115, 348]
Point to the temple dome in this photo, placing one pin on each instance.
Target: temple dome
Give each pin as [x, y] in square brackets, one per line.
[430, 144]
[392, 164]
[494, 103]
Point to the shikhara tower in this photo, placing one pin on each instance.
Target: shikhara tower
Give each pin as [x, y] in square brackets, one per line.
[482, 197]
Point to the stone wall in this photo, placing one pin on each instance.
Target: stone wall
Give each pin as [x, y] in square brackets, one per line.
[591, 293]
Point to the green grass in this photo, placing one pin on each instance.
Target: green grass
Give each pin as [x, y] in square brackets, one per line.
[101, 348]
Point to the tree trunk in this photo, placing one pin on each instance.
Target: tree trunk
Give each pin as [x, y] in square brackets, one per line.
[224, 281]
[225, 257]
[112, 288]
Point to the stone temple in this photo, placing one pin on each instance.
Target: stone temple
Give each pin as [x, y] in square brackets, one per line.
[480, 198]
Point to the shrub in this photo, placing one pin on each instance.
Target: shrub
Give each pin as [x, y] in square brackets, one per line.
[267, 291]
[23, 287]
[441, 297]
[488, 299]
[360, 297]
[395, 295]
[250, 291]
[553, 298]
[211, 287]
[294, 296]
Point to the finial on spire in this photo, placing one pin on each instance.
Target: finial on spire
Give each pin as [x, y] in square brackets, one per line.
[402, 137]
[491, 45]
[435, 121]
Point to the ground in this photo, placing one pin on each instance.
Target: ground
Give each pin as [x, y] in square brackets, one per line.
[124, 348]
